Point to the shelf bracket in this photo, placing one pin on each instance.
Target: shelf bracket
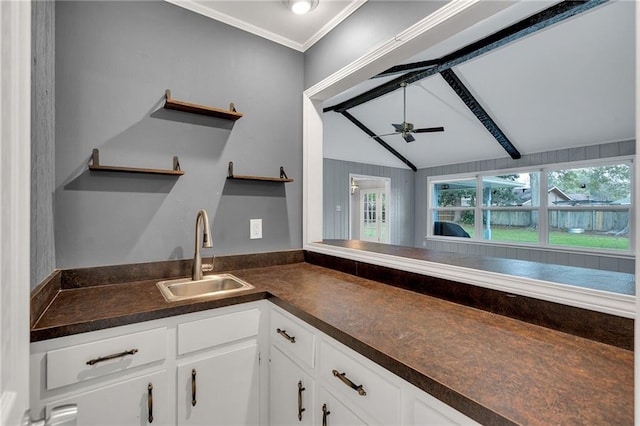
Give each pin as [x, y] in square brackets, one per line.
[176, 163]
[95, 157]
[283, 174]
[230, 169]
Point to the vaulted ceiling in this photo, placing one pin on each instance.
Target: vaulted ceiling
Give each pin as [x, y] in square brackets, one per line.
[568, 85]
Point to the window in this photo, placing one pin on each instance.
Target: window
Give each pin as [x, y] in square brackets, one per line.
[589, 206]
[584, 207]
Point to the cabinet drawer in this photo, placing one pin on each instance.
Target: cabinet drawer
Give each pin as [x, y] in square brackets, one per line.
[78, 363]
[292, 337]
[197, 335]
[354, 379]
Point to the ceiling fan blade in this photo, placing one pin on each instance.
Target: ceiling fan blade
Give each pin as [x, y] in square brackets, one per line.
[398, 127]
[429, 130]
[408, 138]
[385, 134]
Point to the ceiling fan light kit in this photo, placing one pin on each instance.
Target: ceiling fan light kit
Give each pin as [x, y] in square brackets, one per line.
[301, 7]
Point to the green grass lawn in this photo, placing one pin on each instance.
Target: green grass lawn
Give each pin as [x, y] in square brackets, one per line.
[559, 238]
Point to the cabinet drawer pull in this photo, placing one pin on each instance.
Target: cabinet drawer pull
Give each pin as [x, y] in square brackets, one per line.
[112, 356]
[300, 409]
[150, 402]
[193, 387]
[325, 413]
[284, 334]
[343, 378]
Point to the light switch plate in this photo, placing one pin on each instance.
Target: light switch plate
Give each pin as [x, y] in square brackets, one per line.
[256, 229]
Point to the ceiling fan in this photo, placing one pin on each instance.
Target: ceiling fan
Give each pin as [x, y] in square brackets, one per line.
[406, 129]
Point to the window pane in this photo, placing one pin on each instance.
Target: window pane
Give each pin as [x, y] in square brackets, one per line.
[460, 193]
[453, 223]
[511, 190]
[516, 226]
[597, 229]
[590, 186]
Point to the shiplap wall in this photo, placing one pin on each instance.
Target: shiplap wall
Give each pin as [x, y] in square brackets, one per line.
[336, 193]
[409, 205]
[610, 262]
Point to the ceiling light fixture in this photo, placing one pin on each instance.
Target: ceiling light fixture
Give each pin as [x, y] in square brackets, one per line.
[300, 7]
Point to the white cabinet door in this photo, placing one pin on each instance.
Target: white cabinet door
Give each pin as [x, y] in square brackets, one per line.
[290, 392]
[136, 402]
[221, 389]
[426, 410]
[331, 412]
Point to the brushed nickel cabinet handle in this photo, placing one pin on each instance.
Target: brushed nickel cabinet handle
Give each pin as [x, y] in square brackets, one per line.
[150, 402]
[112, 356]
[284, 334]
[193, 387]
[325, 413]
[343, 378]
[300, 409]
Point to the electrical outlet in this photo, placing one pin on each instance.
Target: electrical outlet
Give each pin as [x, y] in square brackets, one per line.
[256, 229]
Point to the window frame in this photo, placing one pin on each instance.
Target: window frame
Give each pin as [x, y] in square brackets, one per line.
[543, 209]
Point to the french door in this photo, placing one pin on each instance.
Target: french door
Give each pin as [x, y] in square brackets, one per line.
[374, 216]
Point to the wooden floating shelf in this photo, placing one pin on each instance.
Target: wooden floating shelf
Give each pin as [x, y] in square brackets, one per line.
[230, 114]
[262, 178]
[96, 166]
[283, 176]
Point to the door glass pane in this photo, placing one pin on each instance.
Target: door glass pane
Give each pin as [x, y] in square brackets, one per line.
[383, 217]
[369, 227]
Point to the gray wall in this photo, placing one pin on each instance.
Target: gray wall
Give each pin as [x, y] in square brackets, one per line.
[42, 139]
[336, 193]
[611, 263]
[114, 61]
[372, 24]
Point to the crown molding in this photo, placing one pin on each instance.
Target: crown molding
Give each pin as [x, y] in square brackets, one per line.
[261, 32]
[346, 12]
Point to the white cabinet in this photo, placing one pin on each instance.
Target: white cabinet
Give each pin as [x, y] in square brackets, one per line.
[221, 389]
[134, 402]
[291, 392]
[205, 368]
[303, 354]
[218, 369]
[359, 383]
[331, 412]
[349, 388]
[141, 374]
[421, 409]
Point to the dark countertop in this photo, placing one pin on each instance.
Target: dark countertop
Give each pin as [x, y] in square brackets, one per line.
[494, 369]
[596, 279]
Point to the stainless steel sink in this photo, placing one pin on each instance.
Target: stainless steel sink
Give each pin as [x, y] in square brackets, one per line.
[209, 285]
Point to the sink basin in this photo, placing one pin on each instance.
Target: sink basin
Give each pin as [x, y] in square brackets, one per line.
[209, 285]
